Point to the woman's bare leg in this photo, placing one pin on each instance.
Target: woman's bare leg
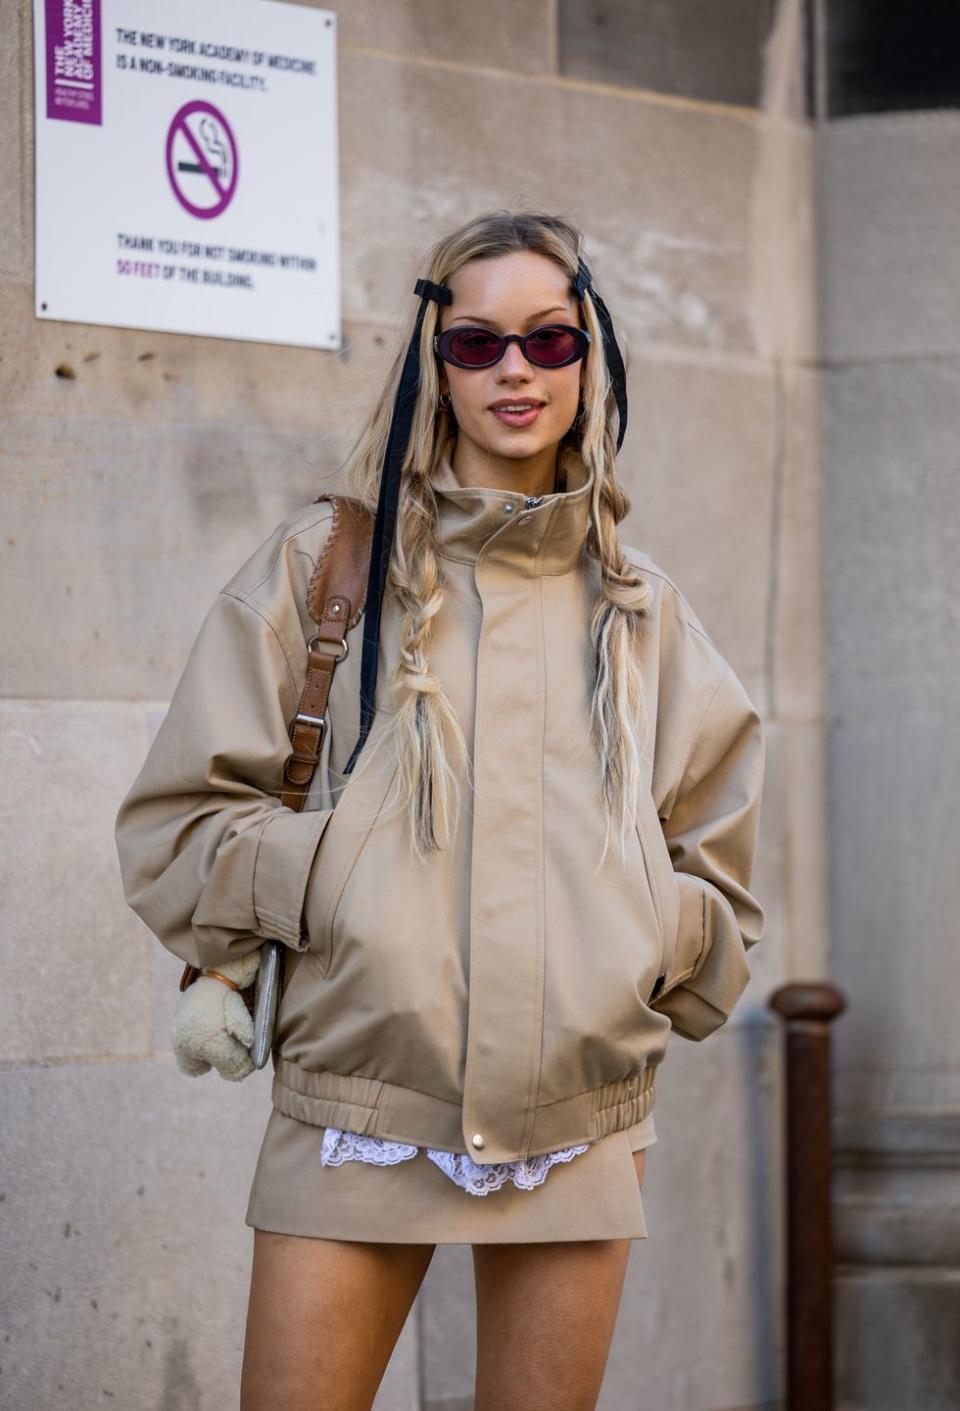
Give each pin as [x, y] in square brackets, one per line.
[323, 1318]
[545, 1320]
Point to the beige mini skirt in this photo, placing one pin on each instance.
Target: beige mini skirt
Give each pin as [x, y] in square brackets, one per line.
[594, 1196]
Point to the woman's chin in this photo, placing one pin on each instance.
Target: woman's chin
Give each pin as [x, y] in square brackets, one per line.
[520, 444]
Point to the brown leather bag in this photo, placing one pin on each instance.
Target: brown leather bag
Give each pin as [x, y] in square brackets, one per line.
[335, 599]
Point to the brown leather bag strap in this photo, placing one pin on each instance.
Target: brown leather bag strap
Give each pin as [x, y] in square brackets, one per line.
[335, 599]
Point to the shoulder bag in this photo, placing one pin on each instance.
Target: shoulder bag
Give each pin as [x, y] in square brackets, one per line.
[335, 600]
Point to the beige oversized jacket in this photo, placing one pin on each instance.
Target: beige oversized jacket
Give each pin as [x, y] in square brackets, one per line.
[494, 998]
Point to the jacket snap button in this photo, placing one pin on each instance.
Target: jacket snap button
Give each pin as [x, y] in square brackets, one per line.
[507, 509]
[478, 1140]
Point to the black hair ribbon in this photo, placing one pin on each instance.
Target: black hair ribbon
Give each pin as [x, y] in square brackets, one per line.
[611, 349]
[386, 517]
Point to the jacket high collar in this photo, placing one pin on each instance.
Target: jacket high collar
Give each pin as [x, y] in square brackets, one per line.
[533, 539]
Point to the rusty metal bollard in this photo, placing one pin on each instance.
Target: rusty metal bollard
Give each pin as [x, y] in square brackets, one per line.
[807, 1009]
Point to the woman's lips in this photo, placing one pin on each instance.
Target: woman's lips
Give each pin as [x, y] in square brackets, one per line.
[517, 418]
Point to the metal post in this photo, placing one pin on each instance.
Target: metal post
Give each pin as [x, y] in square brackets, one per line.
[807, 1010]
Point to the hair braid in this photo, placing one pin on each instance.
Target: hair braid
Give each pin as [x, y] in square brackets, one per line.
[425, 717]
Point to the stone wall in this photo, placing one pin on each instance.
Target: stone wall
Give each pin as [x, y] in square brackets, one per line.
[140, 469]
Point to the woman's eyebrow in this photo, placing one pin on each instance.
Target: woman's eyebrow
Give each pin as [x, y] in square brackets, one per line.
[492, 322]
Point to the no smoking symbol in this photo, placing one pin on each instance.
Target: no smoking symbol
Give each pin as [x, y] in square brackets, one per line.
[202, 159]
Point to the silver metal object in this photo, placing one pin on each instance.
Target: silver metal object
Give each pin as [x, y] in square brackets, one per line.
[319, 720]
[342, 652]
[266, 995]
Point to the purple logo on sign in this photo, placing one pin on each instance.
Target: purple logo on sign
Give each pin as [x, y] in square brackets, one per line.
[202, 159]
[74, 71]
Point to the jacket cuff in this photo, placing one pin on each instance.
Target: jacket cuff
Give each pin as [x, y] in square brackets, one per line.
[691, 931]
[691, 1016]
[285, 853]
[710, 970]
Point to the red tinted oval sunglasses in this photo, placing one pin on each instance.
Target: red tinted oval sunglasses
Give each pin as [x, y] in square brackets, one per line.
[553, 345]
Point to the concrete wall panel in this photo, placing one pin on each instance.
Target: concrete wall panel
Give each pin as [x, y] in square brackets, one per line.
[76, 961]
[89, 372]
[888, 189]
[712, 1260]
[892, 540]
[696, 48]
[796, 602]
[117, 542]
[895, 894]
[698, 463]
[664, 193]
[13, 254]
[503, 34]
[114, 1176]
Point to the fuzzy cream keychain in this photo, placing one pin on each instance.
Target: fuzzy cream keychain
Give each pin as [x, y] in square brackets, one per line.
[212, 1027]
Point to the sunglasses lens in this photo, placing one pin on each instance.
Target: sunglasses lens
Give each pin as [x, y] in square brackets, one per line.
[474, 347]
[551, 347]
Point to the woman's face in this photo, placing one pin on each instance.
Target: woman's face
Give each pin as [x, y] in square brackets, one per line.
[512, 293]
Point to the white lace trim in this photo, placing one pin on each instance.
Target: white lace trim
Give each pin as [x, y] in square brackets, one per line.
[340, 1146]
[480, 1180]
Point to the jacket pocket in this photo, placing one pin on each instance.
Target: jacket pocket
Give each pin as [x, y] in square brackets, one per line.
[358, 807]
[663, 884]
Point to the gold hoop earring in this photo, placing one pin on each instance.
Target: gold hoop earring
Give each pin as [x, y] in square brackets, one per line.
[445, 405]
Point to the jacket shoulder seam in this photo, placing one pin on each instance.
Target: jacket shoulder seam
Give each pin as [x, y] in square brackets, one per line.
[326, 513]
[706, 710]
[695, 732]
[653, 571]
[252, 607]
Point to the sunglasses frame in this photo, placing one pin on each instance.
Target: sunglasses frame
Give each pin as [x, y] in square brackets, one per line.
[442, 341]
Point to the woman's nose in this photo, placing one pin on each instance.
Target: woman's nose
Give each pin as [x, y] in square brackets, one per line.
[513, 363]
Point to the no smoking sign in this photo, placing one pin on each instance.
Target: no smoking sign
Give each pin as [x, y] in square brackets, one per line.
[202, 160]
[147, 212]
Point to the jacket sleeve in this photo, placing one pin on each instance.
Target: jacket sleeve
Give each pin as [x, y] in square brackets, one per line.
[210, 858]
[711, 835]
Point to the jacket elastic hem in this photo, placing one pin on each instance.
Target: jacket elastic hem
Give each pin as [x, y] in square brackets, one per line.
[373, 1107]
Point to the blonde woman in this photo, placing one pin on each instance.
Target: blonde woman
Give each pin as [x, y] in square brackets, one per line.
[524, 860]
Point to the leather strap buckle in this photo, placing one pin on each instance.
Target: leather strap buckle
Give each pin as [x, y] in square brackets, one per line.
[335, 600]
[343, 648]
